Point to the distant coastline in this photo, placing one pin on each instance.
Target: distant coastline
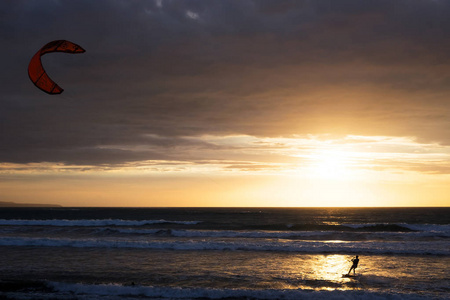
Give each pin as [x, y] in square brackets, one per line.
[14, 204]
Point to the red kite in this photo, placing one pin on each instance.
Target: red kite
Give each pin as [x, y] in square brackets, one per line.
[37, 73]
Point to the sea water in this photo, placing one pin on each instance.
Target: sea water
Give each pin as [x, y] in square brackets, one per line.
[224, 253]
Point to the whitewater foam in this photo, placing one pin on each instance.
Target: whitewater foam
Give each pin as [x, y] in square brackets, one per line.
[211, 293]
[367, 247]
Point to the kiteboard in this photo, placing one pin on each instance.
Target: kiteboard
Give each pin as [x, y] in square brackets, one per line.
[349, 275]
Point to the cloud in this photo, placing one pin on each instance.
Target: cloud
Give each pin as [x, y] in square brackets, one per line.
[157, 72]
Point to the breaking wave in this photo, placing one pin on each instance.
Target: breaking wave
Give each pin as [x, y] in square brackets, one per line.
[366, 247]
[108, 290]
[61, 290]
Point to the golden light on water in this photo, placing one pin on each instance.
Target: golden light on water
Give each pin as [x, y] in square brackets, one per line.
[331, 267]
[325, 272]
[320, 272]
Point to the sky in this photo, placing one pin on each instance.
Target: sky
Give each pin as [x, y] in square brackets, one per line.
[228, 103]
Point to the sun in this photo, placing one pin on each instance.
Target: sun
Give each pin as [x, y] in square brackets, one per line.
[330, 164]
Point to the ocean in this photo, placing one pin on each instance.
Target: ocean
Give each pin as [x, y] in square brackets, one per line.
[224, 253]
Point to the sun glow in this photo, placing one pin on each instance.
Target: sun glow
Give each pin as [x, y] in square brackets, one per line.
[249, 171]
[331, 164]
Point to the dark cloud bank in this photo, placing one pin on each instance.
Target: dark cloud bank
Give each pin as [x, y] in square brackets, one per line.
[156, 71]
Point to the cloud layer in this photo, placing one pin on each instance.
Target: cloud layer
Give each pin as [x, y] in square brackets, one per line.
[157, 75]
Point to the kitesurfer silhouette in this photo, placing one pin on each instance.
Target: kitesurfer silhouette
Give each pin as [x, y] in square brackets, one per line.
[355, 265]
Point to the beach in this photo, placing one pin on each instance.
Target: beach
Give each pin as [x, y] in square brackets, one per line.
[224, 253]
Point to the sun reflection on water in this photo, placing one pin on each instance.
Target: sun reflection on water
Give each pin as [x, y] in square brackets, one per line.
[324, 272]
[330, 266]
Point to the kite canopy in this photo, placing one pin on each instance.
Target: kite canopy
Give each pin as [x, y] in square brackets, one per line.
[36, 71]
